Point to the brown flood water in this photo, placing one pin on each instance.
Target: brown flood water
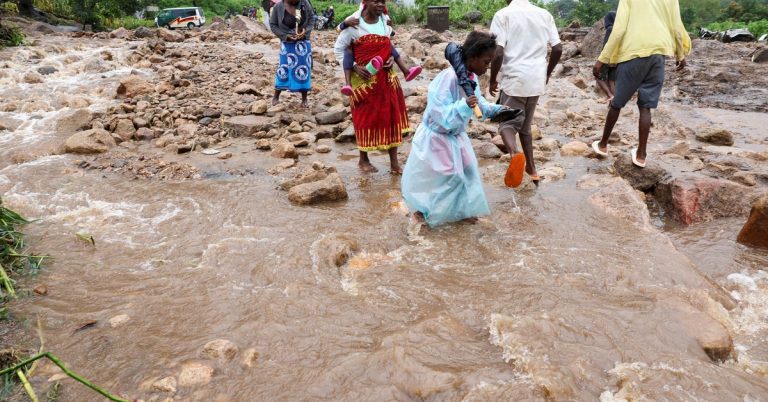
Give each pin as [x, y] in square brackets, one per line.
[548, 298]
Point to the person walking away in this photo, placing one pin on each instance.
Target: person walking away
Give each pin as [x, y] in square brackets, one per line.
[521, 72]
[294, 71]
[266, 5]
[378, 108]
[644, 34]
[607, 79]
[441, 182]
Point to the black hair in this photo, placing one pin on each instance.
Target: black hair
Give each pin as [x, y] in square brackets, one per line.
[477, 43]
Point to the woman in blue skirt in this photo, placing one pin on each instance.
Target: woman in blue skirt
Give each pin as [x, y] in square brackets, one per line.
[292, 21]
[441, 182]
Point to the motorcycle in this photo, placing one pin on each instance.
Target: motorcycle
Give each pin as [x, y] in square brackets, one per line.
[322, 22]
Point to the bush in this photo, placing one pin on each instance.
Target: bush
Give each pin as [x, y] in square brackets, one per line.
[127, 23]
[757, 28]
[11, 36]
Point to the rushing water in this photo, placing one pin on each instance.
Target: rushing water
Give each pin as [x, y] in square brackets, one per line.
[547, 298]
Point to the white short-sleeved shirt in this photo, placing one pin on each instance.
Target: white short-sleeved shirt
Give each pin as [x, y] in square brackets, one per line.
[524, 31]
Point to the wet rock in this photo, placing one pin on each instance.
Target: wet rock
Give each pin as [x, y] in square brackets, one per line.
[41, 290]
[124, 129]
[170, 36]
[551, 173]
[167, 384]
[415, 48]
[549, 145]
[575, 148]
[120, 33]
[9, 123]
[259, 107]
[194, 373]
[249, 125]
[435, 62]
[143, 32]
[748, 179]
[323, 149]
[220, 349]
[332, 117]
[47, 70]
[716, 136]
[140, 122]
[33, 78]
[284, 149]
[89, 142]
[427, 36]
[755, 231]
[74, 121]
[243, 89]
[681, 148]
[760, 55]
[348, 135]
[133, 86]
[250, 357]
[690, 198]
[119, 320]
[144, 134]
[263, 145]
[620, 200]
[206, 121]
[283, 165]
[643, 179]
[329, 189]
[301, 139]
[486, 150]
[316, 173]
[225, 155]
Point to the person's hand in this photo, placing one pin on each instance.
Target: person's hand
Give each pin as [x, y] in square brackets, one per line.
[596, 69]
[300, 36]
[494, 88]
[472, 101]
[352, 22]
[362, 72]
[389, 63]
[680, 65]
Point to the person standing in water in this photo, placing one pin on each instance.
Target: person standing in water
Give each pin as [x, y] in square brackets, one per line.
[294, 71]
[645, 33]
[378, 108]
[521, 71]
[441, 182]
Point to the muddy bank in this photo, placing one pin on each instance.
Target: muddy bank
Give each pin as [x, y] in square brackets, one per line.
[208, 283]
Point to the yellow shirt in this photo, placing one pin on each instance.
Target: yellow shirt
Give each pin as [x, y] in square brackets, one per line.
[644, 28]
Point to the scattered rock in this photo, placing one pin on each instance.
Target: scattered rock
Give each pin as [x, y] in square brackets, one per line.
[549, 145]
[120, 33]
[263, 145]
[681, 148]
[47, 70]
[220, 349]
[249, 125]
[259, 107]
[329, 189]
[575, 148]
[89, 142]
[124, 129]
[41, 290]
[225, 155]
[551, 173]
[620, 200]
[435, 62]
[170, 36]
[760, 55]
[323, 149]
[133, 86]
[194, 373]
[348, 135]
[74, 121]
[416, 104]
[119, 320]
[167, 384]
[716, 136]
[250, 357]
[486, 150]
[144, 134]
[284, 149]
[755, 231]
[332, 117]
[143, 32]
[301, 139]
[243, 89]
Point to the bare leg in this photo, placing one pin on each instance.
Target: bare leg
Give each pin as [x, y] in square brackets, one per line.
[606, 88]
[304, 101]
[508, 136]
[365, 164]
[393, 162]
[610, 122]
[348, 77]
[645, 130]
[276, 98]
[402, 66]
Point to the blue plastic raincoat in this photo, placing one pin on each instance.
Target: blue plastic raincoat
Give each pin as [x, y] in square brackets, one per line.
[441, 178]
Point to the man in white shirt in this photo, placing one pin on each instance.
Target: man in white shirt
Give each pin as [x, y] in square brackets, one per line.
[523, 33]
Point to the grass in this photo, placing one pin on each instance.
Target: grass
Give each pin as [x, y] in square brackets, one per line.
[127, 23]
[14, 258]
[757, 28]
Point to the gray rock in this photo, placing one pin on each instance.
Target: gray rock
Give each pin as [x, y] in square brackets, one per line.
[759, 56]
[332, 116]
[74, 121]
[143, 32]
[644, 179]
[329, 189]
[206, 121]
[427, 36]
[716, 136]
[47, 70]
[89, 142]
[473, 17]
[486, 150]
[245, 126]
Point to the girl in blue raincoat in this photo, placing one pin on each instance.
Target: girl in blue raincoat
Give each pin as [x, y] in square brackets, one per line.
[441, 181]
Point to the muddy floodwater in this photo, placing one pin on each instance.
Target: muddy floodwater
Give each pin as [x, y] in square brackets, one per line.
[548, 298]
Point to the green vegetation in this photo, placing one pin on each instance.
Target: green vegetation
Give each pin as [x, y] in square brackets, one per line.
[14, 258]
[757, 28]
[10, 35]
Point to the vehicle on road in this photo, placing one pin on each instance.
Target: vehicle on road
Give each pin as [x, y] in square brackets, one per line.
[181, 17]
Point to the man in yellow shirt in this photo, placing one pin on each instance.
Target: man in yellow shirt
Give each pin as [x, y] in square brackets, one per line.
[644, 34]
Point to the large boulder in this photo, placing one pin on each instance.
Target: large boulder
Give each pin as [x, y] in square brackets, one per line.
[144, 32]
[284, 150]
[737, 35]
[620, 200]
[755, 231]
[120, 33]
[249, 125]
[74, 121]
[170, 36]
[90, 142]
[245, 24]
[691, 197]
[575, 148]
[133, 85]
[592, 44]
[329, 189]
[333, 116]
[427, 36]
[486, 150]
[760, 55]
[643, 179]
[716, 136]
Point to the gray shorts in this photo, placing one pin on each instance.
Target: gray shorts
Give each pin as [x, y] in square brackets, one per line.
[644, 76]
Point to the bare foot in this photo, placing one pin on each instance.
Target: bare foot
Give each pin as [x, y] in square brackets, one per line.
[275, 100]
[305, 104]
[396, 170]
[366, 167]
[417, 218]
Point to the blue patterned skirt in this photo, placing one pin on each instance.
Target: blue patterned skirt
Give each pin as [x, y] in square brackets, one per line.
[294, 72]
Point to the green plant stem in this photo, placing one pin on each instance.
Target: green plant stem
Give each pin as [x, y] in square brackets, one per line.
[66, 371]
[7, 282]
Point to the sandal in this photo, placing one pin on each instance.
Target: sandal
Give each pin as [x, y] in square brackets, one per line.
[413, 73]
[515, 171]
[346, 90]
